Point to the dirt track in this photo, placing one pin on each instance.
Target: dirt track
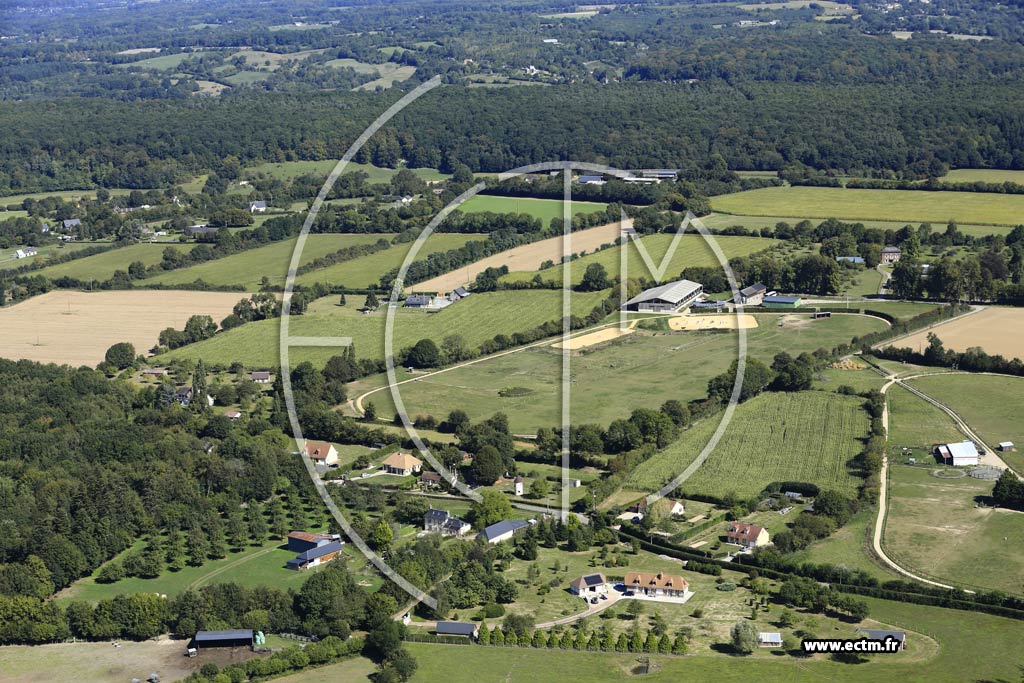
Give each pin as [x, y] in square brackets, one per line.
[77, 328]
[525, 258]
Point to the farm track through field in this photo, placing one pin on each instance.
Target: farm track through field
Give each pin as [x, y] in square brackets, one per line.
[230, 565]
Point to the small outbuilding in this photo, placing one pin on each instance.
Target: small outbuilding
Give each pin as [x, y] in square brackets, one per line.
[781, 302]
[457, 628]
[1006, 445]
[589, 584]
[769, 639]
[962, 454]
[752, 295]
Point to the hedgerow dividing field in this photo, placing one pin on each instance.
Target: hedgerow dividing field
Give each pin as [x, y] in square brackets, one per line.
[477, 319]
[692, 251]
[808, 436]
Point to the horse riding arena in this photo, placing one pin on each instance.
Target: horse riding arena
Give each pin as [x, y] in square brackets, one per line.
[713, 322]
[77, 328]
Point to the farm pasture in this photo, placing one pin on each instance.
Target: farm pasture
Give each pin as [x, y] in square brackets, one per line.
[609, 380]
[477, 318]
[544, 209]
[718, 221]
[888, 205]
[248, 268]
[692, 250]
[991, 404]
[996, 329]
[984, 175]
[102, 266]
[77, 328]
[8, 262]
[915, 423]
[935, 527]
[807, 436]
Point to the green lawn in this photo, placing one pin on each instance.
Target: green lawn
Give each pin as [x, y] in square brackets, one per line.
[292, 169]
[915, 423]
[477, 318]
[249, 267]
[935, 526]
[808, 436]
[990, 404]
[889, 205]
[366, 271]
[544, 209]
[692, 250]
[608, 381]
[102, 266]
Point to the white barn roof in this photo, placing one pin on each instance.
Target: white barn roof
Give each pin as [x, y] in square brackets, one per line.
[963, 449]
[672, 292]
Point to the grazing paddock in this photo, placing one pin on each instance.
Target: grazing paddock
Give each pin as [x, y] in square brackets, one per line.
[248, 268]
[992, 406]
[544, 209]
[718, 221]
[163, 62]
[8, 262]
[477, 319]
[77, 328]
[886, 205]
[934, 526]
[692, 250]
[915, 423]
[102, 266]
[366, 271]
[526, 257]
[103, 663]
[984, 175]
[808, 437]
[998, 330]
[608, 380]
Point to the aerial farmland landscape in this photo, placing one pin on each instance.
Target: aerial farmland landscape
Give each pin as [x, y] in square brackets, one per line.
[428, 340]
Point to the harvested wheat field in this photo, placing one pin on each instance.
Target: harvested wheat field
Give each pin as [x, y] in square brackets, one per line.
[525, 258]
[595, 338]
[77, 328]
[713, 322]
[996, 329]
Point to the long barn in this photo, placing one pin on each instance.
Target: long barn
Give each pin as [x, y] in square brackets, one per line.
[667, 298]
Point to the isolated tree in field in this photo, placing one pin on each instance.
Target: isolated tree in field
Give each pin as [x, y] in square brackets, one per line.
[1008, 491]
[634, 609]
[369, 411]
[371, 302]
[424, 354]
[539, 488]
[121, 355]
[341, 300]
[199, 327]
[595, 278]
[455, 349]
[744, 637]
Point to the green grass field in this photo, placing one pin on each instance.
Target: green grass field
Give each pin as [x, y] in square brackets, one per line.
[247, 268]
[7, 260]
[953, 659]
[848, 547]
[544, 209]
[163, 62]
[886, 205]
[719, 221]
[984, 175]
[292, 169]
[991, 405]
[259, 566]
[102, 266]
[902, 310]
[608, 381]
[477, 319]
[808, 436]
[367, 270]
[692, 250]
[67, 195]
[915, 423]
[935, 526]
[830, 379]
